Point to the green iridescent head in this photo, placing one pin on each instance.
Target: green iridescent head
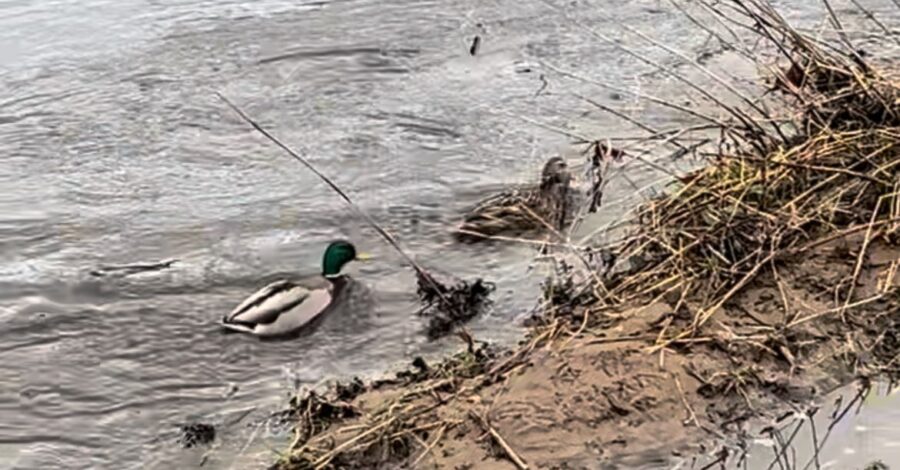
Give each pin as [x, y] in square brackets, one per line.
[337, 255]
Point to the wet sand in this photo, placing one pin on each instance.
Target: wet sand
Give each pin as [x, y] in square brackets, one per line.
[609, 399]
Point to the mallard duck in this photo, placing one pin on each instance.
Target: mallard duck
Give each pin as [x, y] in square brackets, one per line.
[284, 307]
[522, 209]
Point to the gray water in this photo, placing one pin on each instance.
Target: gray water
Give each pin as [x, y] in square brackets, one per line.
[115, 151]
[866, 433]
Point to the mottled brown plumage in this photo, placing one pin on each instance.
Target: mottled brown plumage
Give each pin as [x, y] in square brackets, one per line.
[523, 209]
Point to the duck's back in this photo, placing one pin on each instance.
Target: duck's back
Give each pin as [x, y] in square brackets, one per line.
[516, 211]
[266, 304]
[299, 317]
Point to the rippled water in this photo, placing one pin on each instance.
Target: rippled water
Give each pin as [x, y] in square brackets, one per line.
[115, 150]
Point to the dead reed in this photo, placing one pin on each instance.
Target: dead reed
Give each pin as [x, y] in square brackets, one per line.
[764, 198]
[774, 190]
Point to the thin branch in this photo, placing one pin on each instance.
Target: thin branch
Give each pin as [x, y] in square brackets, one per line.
[654, 99]
[875, 20]
[513, 456]
[384, 234]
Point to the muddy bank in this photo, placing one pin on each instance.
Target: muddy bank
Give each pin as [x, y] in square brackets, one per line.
[605, 399]
[733, 302]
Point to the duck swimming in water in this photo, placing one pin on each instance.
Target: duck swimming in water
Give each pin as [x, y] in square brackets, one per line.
[522, 209]
[284, 307]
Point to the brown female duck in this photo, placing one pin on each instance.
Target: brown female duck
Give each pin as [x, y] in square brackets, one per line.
[525, 209]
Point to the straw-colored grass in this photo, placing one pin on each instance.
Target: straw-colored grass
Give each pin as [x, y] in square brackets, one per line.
[773, 191]
[765, 198]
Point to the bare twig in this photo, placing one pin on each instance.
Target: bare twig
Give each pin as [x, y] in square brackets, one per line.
[427, 449]
[692, 417]
[384, 234]
[510, 453]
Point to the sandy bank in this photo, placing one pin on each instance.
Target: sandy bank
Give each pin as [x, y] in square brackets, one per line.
[752, 287]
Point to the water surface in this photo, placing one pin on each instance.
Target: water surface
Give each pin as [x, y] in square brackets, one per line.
[115, 150]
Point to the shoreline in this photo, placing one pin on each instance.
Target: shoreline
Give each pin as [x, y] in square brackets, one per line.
[592, 401]
[753, 287]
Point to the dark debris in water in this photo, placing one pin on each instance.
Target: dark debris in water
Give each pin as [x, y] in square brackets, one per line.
[313, 412]
[317, 408]
[350, 390]
[476, 44]
[129, 269]
[419, 371]
[600, 154]
[194, 434]
[420, 363]
[448, 307]
[876, 465]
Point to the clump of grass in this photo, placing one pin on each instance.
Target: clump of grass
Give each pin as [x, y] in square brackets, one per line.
[830, 169]
[325, 439]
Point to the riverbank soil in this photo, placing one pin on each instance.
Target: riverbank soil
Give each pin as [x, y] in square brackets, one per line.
[752, 287]
[617, 399]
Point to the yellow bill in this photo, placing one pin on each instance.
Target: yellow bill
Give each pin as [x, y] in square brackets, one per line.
[363, 256]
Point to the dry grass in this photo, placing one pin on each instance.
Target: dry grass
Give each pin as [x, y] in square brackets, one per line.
[774, 191]
[770, 197]
[389, 432]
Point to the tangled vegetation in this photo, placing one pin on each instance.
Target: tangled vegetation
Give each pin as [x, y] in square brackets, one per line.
[778, 189]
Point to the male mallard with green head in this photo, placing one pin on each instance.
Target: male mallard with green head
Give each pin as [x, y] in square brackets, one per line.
[285, 306]
[523, 209]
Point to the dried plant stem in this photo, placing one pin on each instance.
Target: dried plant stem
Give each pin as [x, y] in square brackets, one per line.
[653, 99]
[862, 256]
[425, 275]
[692, 417]
[742, 49]
[626, 117]
[873, 19]
[325, 459]
[715, 77]
[513, 456]
[427, 449]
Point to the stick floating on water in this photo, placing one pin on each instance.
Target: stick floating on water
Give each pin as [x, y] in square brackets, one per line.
[423, 274]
